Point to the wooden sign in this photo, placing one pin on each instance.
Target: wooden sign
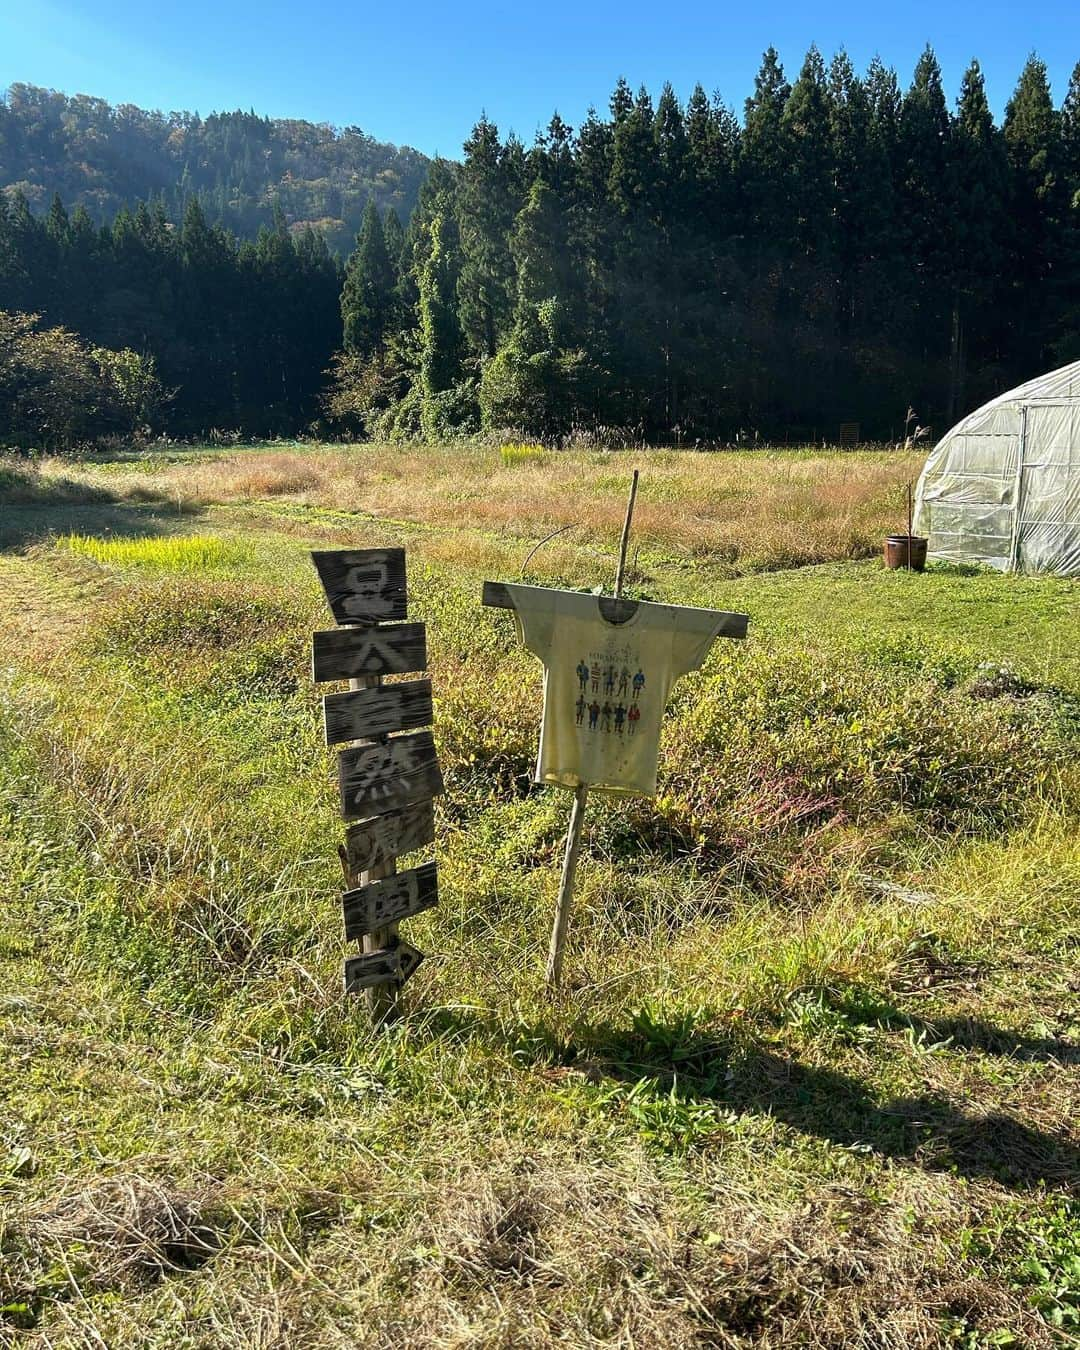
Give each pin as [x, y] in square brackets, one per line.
[390, 900]
[390, 965]
[364, 713]
[388, 775]
[372, 843]
[364, 585]
[350, 653]
[387, 781]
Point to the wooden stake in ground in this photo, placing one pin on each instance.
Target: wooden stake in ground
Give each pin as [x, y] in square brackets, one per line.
[382, 999]
[910, 522]
[581, 793]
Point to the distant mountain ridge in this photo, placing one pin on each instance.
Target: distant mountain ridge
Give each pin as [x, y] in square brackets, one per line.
[242, 166]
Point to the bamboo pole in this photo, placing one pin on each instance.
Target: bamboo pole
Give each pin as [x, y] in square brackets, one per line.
[625, 537]
[581, 794]
[910, 521]
[566, 885]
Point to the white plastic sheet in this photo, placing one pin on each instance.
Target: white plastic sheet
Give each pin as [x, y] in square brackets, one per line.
[1003, 486]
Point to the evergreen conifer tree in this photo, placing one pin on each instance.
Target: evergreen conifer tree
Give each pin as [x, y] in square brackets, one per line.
[367, 296]
[485, 210]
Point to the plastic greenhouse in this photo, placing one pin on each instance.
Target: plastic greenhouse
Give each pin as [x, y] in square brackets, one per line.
[1003, 486]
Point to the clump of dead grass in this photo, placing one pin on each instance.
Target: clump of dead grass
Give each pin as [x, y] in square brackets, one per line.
[123, 1233]
[545, 1252]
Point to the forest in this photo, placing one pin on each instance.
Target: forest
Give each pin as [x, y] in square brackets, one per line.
[239, 165]
[667, 273]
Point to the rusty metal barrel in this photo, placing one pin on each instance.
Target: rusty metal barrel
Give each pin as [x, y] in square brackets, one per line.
[905, 551]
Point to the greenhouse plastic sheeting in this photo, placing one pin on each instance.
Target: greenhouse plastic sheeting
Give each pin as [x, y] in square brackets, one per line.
[1003, 486]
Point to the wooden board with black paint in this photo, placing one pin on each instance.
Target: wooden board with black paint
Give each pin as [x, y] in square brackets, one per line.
[363, 713]
[371, 843]
[389, 965]
[388, 775]
[391, 900]
[352, 653]
[365, 585]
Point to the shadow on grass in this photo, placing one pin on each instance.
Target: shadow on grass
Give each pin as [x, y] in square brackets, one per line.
[33, 507]
[691, 1064]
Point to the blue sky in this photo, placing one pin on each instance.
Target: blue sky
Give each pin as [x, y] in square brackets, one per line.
[419, 73]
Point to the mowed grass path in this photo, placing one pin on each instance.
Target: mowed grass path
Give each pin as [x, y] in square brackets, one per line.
[814, 1080]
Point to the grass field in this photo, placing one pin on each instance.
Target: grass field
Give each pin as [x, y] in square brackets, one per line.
[815, 1076]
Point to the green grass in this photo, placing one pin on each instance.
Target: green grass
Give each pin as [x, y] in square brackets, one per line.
[519, 453]
[177, 553]
[813, 1080]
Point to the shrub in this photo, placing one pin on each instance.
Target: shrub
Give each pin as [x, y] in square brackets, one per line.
[57, 392]
[451, 412]
[363, 390]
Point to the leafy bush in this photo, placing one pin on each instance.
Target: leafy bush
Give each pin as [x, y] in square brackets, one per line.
[451, 412]
[57, 392]
[787, 743]
[363, 391]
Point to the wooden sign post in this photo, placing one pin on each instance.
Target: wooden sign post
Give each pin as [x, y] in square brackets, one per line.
[386, 782]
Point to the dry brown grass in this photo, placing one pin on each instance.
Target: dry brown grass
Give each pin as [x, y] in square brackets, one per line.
[752, 509]
[537, 1251]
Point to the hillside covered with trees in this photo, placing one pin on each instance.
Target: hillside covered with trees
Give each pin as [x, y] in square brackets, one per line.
[844, 250]
[242, 167]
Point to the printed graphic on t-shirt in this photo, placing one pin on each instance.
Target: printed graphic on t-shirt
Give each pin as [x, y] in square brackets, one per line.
[609, 671]
[609, 694]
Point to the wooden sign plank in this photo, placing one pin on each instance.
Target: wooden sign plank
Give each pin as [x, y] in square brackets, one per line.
[388, 775]
[391, 965]
[365, 713]
[361, 972]
[496, 596]
[365, 585]
[390, 900]
[349, 653]
[371, 843]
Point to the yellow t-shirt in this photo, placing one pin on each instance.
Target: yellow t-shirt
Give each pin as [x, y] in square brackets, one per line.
[606, 683]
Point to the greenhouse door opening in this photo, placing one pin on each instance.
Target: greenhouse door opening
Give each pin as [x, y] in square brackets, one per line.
[1046, 514]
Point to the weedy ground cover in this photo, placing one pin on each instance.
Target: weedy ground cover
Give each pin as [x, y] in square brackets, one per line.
[814, 1079]
[177, 553]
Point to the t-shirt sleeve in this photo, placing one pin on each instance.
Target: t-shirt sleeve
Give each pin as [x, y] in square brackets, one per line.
[695, 633]
[534, 614]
